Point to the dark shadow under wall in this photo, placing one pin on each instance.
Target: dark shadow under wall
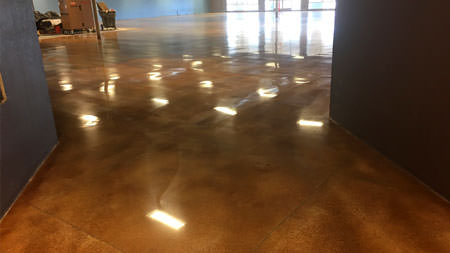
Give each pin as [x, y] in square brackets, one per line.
[26, 121]
[391, 82]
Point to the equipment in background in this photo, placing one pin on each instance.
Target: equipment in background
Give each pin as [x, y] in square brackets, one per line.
[48, 23]
[108, 16]
[76, 16]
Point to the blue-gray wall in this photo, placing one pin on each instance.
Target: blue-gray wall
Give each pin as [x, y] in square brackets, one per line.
[27, 130]
[46, 5]
[129, 9]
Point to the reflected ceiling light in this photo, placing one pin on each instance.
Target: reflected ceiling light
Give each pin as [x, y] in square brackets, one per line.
[268, 93]
[226, 110]
[310, 123]
[198, 69]
[300, 57]
[166, 219]
[206, 84]
[111, 88]
[225, 56]
[161, 101]
[66, 87]
[196, 63]
[157, 66]
[187, 57]
[114, 76]
[154, 76]
[217, 54]
[273, 64]
[301, 80]
[177, 70]
[89, 120]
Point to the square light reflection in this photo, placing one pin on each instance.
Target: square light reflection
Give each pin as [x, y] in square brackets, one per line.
[66, 87]
[206, 84]
[114, 77]
[161, 101]
[187, 57]
[310, 123]
[166, 219]
[300, 57]
[301, 80]
[196, 63]
[154, 76]
[273, 64]
[226, 110]
[89, 120]
[111, 88]
[268, 93]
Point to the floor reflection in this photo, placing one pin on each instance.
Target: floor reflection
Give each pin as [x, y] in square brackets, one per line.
[216, 121]
[294, 33]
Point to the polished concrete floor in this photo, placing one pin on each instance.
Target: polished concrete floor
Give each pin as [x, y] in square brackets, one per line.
[183, 134]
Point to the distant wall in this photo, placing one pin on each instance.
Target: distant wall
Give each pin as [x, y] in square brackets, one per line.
[391, 82]
[46, 5]
[130, 9]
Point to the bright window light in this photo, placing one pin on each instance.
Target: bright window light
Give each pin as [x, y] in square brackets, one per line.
[166, 219]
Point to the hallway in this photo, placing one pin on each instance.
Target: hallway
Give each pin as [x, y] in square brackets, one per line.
[221, 121]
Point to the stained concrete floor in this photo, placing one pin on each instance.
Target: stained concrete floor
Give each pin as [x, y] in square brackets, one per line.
[198, 117]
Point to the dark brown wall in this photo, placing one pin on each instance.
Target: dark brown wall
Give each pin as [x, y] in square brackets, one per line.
[26, 121]
[391, 82]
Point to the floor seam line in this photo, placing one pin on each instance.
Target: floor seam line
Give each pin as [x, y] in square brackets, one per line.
[73, 226]
[290, 214]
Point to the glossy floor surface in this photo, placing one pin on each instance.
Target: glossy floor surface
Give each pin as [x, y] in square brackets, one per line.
[198, 119]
